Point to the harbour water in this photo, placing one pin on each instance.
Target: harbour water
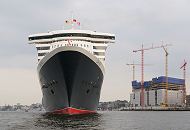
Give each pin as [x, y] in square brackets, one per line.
[111, 120]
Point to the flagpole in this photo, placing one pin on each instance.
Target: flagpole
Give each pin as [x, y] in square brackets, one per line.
[72, 20]
[80, 26]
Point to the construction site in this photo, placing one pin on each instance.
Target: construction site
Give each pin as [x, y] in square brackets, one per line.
[155, 92]
[159, 93]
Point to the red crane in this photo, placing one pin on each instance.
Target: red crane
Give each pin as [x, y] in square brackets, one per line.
[184, 77]
[142, 68]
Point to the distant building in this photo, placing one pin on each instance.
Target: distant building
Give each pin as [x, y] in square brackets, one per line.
[154, 92]
[188, 100]
[7, 108]
[19, 107]
[114, 105]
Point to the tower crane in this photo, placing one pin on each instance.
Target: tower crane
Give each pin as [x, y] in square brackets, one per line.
[142, 68]
[133, 68]
[166, 75]
[184, 77]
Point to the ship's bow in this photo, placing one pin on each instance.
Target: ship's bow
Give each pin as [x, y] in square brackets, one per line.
[71, 80]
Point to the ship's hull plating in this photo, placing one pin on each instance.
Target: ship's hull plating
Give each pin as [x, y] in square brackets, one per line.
[71, 80]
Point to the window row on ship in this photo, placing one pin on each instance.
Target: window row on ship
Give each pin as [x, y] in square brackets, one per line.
[71, 35]
[40, 57]
[60, 45]
[85, 40]
[41, 54]
[95, 53]
[101, 53]
[43, 48]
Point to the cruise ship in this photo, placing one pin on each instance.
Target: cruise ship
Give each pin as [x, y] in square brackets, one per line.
[71, 68]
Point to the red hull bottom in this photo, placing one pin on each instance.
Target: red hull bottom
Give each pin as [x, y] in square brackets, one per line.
[72, 111]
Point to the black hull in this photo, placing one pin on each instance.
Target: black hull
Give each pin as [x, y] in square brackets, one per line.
[70, 78]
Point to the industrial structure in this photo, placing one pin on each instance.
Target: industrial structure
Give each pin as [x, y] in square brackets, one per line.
[155, 91]
[142, 72]
[184, 77]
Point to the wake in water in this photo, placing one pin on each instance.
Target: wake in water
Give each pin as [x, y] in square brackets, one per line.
[87, 121]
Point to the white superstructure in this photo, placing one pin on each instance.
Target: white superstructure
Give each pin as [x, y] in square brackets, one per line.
[92, 41]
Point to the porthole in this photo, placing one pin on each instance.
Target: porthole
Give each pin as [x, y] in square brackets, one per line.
[43, 86]
[52, 91]
[53, 81]
[87, 91]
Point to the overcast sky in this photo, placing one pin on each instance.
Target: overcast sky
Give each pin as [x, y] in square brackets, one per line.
[132, 21]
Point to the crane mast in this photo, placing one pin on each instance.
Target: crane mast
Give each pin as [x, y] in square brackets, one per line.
[184, 77]
[166, 76]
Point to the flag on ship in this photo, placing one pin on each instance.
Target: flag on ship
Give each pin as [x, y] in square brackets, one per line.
[67, 21]
[72, 21]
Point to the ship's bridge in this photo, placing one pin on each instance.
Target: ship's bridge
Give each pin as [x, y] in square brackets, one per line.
[92, 41]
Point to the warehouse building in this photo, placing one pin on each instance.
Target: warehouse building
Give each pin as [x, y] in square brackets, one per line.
[154, 92]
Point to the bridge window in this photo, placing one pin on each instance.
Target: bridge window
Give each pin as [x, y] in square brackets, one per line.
[99, 53]
[43, 48]
[99, 47]
[41, 54]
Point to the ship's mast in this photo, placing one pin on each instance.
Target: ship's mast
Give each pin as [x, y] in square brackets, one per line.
[72, 17]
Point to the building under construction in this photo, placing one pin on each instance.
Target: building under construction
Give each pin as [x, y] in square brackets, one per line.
[155, 92]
